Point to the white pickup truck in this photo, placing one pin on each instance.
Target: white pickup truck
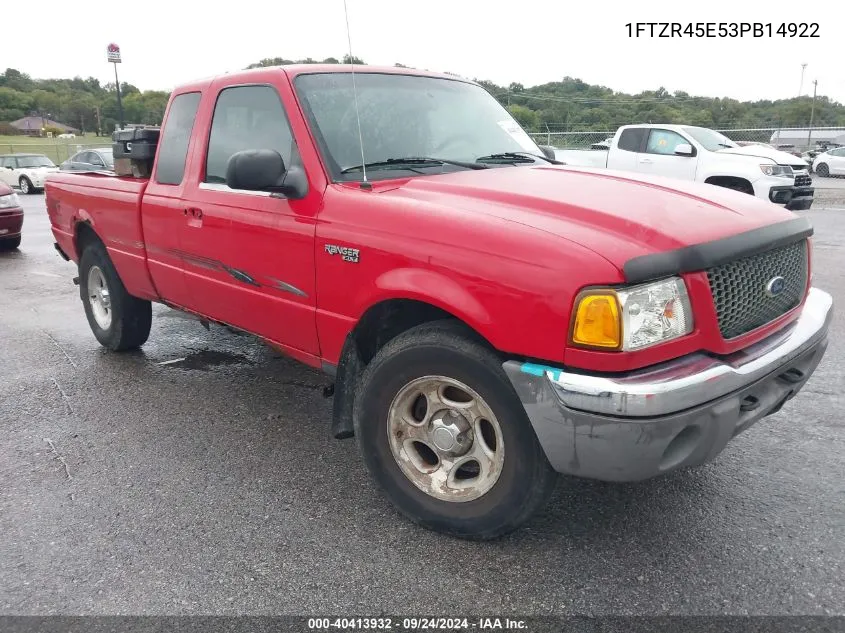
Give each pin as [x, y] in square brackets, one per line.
[704, 155]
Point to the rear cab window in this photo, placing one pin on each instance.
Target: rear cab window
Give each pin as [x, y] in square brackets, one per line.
[631, 140]
[175, 138]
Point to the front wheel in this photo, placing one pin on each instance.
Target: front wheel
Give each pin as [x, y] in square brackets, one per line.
[823, 170]
[26, 185]
[118, 320]
[443, 433]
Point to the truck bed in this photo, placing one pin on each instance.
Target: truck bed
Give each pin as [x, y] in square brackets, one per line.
[111, 205]
[583, 157]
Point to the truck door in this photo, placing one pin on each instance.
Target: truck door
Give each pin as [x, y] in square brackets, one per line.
[249, 256]
[624, 155]
[162, 211]
[659, 156]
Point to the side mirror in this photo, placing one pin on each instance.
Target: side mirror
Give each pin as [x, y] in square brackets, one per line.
[684, 149]
[548, 151]
[264, 170]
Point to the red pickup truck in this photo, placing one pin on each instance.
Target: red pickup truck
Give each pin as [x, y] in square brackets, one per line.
[489, 316]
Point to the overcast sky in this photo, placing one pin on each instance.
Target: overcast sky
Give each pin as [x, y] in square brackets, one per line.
[166, 42]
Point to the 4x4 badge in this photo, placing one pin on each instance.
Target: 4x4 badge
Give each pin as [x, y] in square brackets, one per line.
[346, 253]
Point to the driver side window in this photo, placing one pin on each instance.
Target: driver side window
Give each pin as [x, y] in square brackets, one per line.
[664, 142]
[246, 117]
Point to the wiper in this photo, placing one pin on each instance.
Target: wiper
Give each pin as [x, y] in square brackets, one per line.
[725, 145]
[518, 157]
[402, 163]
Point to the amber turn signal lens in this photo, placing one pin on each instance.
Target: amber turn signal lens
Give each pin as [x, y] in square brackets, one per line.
[597, 322]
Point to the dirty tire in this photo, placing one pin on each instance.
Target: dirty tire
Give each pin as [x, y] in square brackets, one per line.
[823, 170]
[10, 244]
[131, 318]
[449, 349]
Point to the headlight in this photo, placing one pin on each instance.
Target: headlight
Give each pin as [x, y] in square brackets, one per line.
[632, 318]
[776, 170]
[7, 202]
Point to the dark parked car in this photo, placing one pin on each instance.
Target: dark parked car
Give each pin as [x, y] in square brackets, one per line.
[97, 159]
[11, 219]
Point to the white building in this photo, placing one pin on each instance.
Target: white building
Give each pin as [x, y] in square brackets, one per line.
[797, 138]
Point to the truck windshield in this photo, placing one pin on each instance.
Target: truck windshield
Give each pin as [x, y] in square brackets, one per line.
[406, 116]
[710, 139]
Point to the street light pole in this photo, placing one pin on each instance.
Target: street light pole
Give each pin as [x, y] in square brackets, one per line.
[812, 113]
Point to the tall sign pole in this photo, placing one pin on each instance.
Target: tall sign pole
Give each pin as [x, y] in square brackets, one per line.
[113, 52]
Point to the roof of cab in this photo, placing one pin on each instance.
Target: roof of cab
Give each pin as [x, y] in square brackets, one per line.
[292, 70]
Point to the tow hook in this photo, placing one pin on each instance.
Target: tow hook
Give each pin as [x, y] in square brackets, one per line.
[76, 281]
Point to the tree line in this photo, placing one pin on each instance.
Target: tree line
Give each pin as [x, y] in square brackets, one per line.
[84, 104]
[566, 105]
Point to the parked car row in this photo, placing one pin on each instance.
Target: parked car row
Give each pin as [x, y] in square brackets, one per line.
[27, 172]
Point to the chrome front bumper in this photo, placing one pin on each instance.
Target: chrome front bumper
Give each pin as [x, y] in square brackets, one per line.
[679, 413]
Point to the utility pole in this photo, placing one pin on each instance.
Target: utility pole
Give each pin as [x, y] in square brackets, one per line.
[812, 113]
[801, 87]
[99, 128]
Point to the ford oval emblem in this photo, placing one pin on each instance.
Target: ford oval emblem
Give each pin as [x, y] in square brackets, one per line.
[775, 286]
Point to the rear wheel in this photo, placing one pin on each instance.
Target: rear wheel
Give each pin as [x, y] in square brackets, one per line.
[26, 185]
[118, 320]
[443, 433]
[10, 244]
[823, 170]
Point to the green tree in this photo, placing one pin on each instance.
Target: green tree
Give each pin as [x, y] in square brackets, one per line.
[526, 117]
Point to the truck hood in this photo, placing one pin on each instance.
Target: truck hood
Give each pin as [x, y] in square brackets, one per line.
[760, 151]
[615, 214]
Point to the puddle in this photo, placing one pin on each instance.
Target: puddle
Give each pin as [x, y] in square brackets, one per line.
[206, 359]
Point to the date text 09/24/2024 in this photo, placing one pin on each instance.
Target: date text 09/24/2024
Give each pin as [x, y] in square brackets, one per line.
[722, 29]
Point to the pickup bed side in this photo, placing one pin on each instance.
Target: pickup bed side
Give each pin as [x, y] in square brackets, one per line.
[96, 206]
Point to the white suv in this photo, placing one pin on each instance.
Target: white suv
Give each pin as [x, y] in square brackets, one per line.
[831, 163]
[26, 171]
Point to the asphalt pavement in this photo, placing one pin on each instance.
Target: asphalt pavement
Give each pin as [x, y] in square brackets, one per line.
[197, 476]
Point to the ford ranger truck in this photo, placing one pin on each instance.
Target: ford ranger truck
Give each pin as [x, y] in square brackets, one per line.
[687, 152]
[490, 318]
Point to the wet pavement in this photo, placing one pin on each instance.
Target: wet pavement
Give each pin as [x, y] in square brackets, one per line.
[198, 476]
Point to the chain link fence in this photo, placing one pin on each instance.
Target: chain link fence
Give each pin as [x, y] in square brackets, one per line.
[57, 150]
[788, 139]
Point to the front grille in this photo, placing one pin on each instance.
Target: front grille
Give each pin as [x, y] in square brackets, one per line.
[741, 288]
[803, 181]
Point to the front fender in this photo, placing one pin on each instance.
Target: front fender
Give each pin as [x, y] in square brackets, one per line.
[434, 288]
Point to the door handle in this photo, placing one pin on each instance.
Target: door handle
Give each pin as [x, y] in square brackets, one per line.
[646, 160]
[194, 212]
